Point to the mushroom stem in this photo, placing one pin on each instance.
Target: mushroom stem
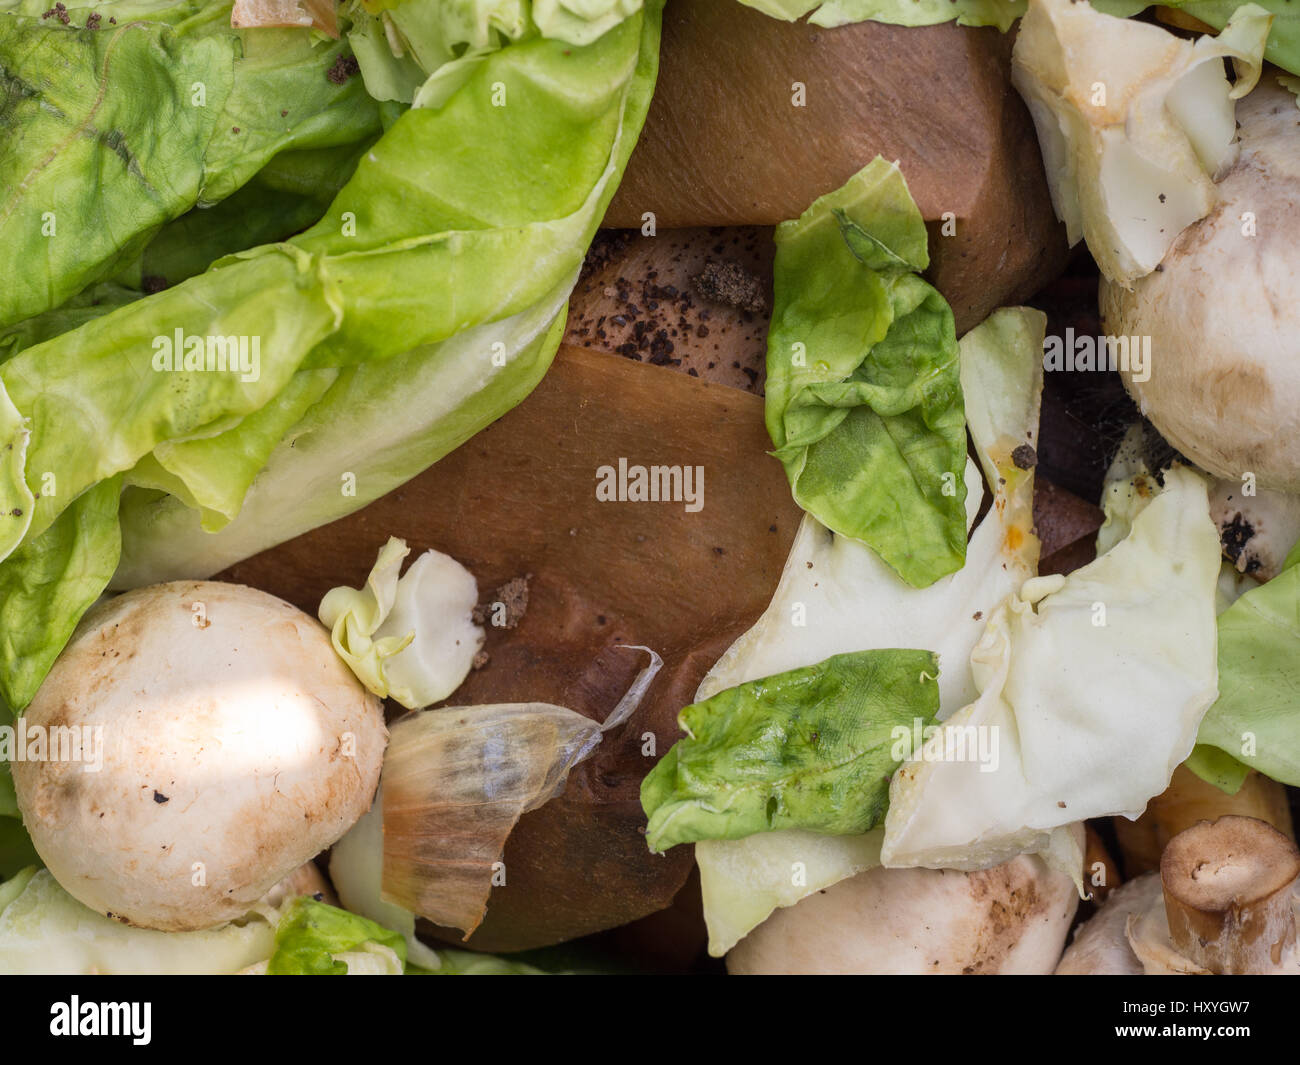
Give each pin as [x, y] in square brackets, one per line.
[1227, 887]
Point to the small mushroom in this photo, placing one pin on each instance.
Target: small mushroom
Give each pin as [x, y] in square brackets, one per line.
[1223, 902]
[232, 746]
[1257, 530]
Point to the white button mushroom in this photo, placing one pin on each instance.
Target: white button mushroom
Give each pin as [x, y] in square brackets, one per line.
[1012, 918]
[235, 746]
[1223, 313]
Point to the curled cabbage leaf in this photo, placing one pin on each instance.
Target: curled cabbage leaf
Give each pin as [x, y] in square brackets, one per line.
[1092, 687]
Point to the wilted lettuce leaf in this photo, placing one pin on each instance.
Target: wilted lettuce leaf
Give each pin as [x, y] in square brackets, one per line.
[49, 582]
[90, 303]
[864, 398]
[1256, 718]
[316, 939]
[1217, 767]
[112, 132]
[478, 239]
[1000, 13]
[424, 304]
[385, 421]
[422, 52]
[812, 748]
[285, 197]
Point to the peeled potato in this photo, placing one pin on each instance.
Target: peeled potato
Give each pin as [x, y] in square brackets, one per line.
[519, 500]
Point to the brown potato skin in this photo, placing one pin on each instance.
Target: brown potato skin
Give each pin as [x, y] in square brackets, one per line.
[639, 298]
[724, 146]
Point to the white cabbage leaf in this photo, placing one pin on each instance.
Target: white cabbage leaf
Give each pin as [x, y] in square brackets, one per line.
[1092, 685]
[44, 930]
[836, 596]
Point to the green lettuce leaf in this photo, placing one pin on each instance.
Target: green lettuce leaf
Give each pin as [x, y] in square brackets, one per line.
[285, 197]
[413, 52]
[316, 939]
[479, 240]
[999, 13]
[385, 421]
[112, 132]
[1256, 719]
[812, 748]
[1218, 768]
[864, 399]
[426, 302]
[85, 306]
[49, 582]
[1283, 40]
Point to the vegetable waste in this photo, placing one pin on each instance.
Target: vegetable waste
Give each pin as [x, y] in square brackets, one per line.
[426, 301]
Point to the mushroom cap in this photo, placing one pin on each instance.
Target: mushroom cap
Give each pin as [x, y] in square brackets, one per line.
[1223, 313]
[1012, 918]
[235, 746]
